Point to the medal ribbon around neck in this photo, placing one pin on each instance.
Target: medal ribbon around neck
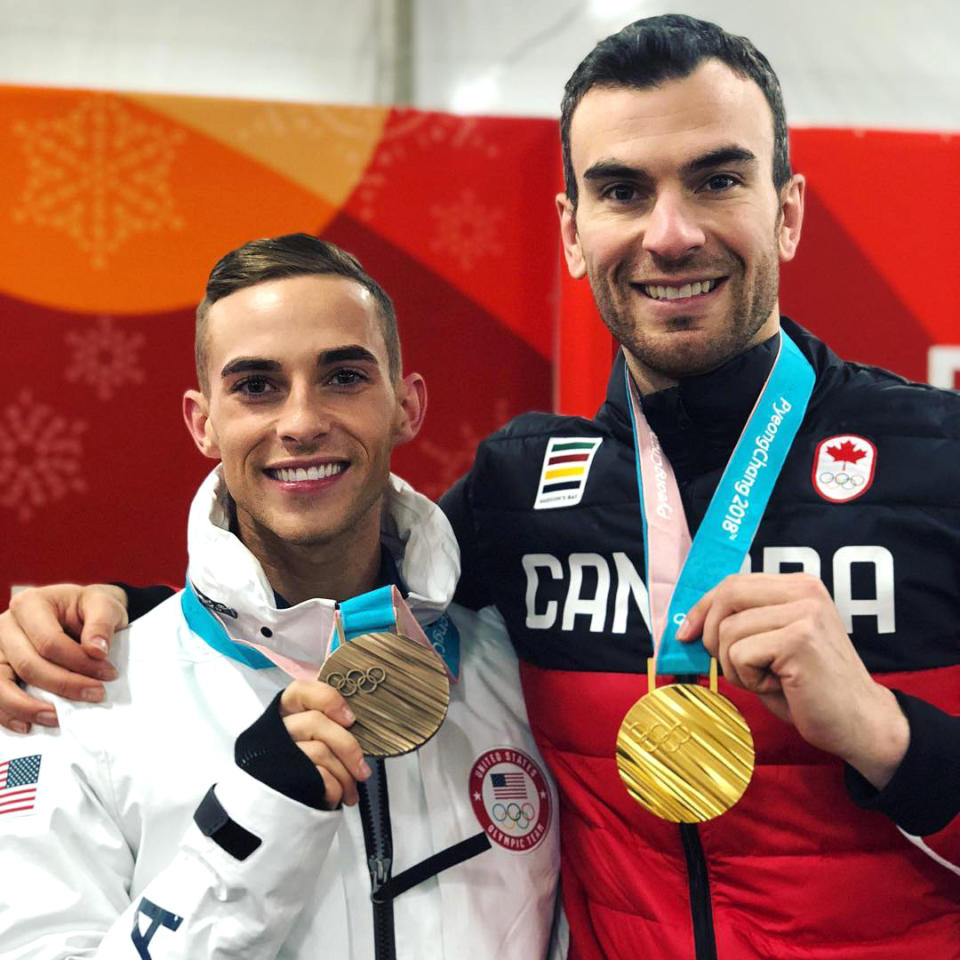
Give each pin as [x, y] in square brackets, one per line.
[377, 610]
[378, 657]
[684, 751]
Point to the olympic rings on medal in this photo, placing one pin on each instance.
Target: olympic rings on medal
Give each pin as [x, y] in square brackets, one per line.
[370, 680]
[364, 681]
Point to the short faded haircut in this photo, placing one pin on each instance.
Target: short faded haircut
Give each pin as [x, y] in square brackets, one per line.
[291, 255]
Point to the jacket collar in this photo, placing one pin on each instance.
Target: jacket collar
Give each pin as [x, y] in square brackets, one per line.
[231, 583]
[699, 421]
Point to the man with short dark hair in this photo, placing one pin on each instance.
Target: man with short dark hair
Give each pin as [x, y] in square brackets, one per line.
[840, 649]
[210, 807]
[679, 207]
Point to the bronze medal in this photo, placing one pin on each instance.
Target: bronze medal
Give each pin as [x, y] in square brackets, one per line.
[684, 752]
[397, 689]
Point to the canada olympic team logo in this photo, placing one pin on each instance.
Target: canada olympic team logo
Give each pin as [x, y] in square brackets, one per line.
[843, 467]
[510, 798]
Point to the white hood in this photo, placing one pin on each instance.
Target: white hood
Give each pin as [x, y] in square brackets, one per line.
[232, 585]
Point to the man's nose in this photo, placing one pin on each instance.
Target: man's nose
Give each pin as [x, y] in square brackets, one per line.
[672, 229]
[304, 417]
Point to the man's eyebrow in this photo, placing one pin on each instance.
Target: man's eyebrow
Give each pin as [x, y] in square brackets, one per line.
[718, 158]
[613, 170]
[352, 352]
[248, 365]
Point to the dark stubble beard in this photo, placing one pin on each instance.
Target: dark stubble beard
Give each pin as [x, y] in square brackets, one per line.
[676, 357]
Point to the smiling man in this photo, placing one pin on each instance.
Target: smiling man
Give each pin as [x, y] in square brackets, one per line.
[293, 496]
[839, 642]
[210, 807]
[841, 647]
[676, 220]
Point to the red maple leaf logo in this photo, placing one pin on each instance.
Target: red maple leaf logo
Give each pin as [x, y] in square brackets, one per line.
[846, 453]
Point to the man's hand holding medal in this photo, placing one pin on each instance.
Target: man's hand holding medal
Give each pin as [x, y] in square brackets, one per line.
[316, 717]
[781, 637]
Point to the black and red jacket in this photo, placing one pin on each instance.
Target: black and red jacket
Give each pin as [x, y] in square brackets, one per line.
[812, 862]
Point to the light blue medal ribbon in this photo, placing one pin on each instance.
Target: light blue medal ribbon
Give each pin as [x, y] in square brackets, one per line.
[374, 612]
[370, 612]
[724, 536]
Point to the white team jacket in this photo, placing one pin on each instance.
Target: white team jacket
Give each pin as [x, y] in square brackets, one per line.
[101, 846]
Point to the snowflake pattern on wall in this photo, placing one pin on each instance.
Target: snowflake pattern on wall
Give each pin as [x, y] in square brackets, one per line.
[353, 127]
[466, 230]
[99, 175]
[104, 357]
[411, 132]
[453, 460]
[40, 456]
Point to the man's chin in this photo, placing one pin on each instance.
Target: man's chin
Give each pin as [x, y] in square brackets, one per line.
[304, 538]
[692, 364]
[693, 348]
[297, 532]
[681, 354]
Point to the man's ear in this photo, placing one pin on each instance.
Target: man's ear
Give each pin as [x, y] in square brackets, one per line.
[791, 217]
[570, 237]
[411, 407]
[196, 415]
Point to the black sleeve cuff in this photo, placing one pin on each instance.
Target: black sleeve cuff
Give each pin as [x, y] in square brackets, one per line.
[266, 752]
[141, 600]
[923, 796]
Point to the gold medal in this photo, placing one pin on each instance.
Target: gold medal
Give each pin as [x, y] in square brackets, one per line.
[684, 751]
[397, 689]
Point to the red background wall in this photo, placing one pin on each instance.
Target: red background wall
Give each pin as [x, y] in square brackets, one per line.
[115, 207]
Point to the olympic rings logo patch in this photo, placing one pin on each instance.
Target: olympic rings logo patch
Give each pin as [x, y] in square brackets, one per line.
[511, 798]
[357, 681]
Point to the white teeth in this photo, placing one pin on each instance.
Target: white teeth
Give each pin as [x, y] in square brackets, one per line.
[678, 293]
[298, 474]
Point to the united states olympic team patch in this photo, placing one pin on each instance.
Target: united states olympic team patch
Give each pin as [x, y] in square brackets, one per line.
[843, 467]
[510, 798]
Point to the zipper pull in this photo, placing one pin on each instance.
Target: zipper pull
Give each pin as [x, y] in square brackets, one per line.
[379, 872]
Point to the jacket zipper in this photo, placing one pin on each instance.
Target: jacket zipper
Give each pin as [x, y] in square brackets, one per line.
[698, 882]
[378, 843]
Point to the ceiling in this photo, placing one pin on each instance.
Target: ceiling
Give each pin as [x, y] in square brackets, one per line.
[864, 63]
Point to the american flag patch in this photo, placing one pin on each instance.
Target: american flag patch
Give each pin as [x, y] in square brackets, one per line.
[509, 786]
[18, 784]
[566, 466]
